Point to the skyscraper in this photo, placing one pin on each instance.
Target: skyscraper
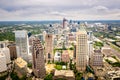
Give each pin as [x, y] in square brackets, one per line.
[49, 47]
[38, 59]
[90, 35]
[64, 22]
[81, 50]
[5, 51]
[21, 39]
[3, 66]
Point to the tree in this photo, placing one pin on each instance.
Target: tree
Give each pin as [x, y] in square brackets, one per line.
[48, 77]
[14, 76]
[29, 65]
[70, 65]
[71, 48]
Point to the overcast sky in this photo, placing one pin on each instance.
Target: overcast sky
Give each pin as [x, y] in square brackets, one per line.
[58, 9]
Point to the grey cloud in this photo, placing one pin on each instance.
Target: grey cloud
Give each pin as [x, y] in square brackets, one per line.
[30, 9]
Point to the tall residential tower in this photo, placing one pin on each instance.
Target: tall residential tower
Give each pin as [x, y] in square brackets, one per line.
[49, 47]
[38, 59]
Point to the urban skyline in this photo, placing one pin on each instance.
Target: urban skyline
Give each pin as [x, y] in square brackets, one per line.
[59, 40]
[70, 50]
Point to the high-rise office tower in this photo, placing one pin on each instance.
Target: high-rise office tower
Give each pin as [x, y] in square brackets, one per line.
[64, 22]
[90, 44]
[90, 35]
[21, 39]
[38, 59]
[44, 34]
[81, 50]
[90, 49]
[49, 47]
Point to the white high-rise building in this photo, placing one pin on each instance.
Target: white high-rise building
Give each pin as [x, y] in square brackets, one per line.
[81, 50]
[5, 51]
[44, 34]
[90, 35]
[90, 49]
[21, 39]
[3, 66]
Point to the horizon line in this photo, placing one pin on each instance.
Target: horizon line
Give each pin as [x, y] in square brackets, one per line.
[61, 20]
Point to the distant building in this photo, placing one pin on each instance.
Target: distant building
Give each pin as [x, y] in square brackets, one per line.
[97, 58]
[49, 47]
[31, 38]
[21, 39]
[106, 50]
[81, 50]
[65, 56]
[64, 75]
[90, 49]
[64, 23]
[13, 52]
[73, 29]
[40, 36]
[69, 52]
[44, 35]
[38, 59]
[90, 35]
[3, 66]
[57, 57]
[71, 37]
[113, 75]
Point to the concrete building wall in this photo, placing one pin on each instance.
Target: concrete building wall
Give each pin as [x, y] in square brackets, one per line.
[38, 59]
[81, 50]
[13, 52]
[97, 58]
[3, 66]
[49, 47]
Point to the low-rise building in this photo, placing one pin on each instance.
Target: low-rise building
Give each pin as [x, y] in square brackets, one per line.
[106, 50]
[97, 58]
[64, 74]
[113, 75]
[21, 66]
[99, 71]
[57, 57]
[69, 52]
[65, 56]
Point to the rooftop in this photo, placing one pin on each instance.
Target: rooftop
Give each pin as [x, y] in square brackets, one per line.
[20, 62]
[67, 73]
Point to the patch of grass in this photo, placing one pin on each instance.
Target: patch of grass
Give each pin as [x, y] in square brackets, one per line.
[58, 67]
[116, 64]
[60, 63]
[115, 47]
